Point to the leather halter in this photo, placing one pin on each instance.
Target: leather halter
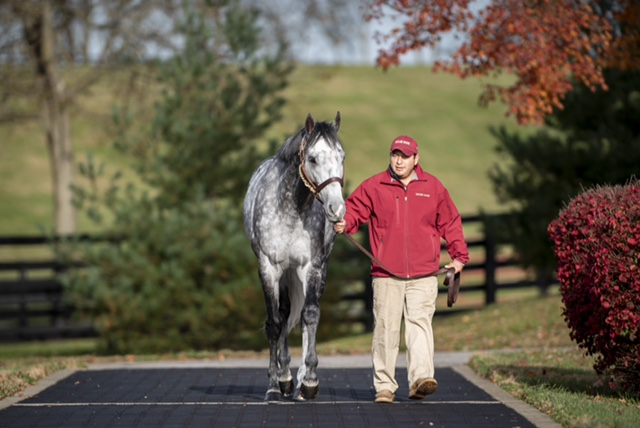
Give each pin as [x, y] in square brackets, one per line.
[308, 182]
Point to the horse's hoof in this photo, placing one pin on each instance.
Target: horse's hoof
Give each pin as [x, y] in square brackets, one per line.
[309, 392]
[286, 387]
[273, 396]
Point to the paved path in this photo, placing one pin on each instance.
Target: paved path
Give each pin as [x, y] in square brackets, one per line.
[230, 394]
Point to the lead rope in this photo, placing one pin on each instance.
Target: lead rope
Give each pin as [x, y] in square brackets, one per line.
[452, 280]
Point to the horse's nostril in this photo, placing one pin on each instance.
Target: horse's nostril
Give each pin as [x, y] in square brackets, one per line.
[336, 210]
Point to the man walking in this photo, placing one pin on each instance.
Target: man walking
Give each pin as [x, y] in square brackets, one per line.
[408, 211]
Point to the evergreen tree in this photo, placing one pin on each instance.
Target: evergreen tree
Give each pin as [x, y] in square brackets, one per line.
[181, 275]
[594, 140]
[218, 99]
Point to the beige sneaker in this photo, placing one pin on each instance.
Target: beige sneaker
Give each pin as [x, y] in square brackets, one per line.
[422, 387]
[384, 396]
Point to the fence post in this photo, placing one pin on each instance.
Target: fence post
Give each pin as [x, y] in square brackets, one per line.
[368, 304]
[22, 302]
[543, 279]
[490, 265]
[58, 301]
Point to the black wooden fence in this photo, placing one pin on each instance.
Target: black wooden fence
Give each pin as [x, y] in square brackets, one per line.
[32, 303]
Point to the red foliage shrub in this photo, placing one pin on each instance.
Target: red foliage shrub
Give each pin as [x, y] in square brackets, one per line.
[596, 240]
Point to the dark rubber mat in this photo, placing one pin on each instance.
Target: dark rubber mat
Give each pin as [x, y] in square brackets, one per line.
[224, 397]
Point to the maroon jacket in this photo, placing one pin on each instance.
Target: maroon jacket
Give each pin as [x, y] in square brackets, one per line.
[406, 223]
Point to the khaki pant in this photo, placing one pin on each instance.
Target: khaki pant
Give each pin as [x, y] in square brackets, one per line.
[416, 300]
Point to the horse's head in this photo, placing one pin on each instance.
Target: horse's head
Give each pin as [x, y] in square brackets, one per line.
[322, 165]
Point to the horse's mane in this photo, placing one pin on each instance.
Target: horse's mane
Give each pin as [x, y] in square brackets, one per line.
[290, 150]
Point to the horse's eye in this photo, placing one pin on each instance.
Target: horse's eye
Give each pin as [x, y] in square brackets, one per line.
[312, 160]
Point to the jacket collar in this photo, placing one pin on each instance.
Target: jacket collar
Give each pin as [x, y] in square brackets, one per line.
[391, 177]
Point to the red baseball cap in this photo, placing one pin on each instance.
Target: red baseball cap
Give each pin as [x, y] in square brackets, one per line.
[405, 144]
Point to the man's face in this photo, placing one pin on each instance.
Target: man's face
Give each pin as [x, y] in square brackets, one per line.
[402, 164]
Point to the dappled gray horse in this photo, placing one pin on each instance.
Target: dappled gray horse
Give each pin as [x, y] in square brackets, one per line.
[292, 202]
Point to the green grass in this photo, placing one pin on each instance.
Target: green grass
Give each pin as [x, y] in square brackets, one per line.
[439, 110]
[561, 383]
[49, 349]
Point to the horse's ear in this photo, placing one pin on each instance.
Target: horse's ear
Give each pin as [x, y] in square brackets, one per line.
[309, 123]
[336, 122]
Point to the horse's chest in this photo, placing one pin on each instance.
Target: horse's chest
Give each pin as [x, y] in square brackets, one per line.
[292, 239]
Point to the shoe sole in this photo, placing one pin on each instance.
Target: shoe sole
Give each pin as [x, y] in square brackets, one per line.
[427, 387]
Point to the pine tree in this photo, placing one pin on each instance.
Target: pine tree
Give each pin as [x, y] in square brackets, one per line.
[594, 140]
[181, 274]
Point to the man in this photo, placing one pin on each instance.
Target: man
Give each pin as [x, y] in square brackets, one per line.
[408, 211]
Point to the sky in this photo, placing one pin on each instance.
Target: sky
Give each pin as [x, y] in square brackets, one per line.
[313, 47]
[362, 48]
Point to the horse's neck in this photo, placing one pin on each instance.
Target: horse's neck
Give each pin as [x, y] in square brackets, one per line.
[293, 192]
[302, 196]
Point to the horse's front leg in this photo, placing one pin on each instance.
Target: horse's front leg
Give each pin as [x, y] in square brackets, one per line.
[274, 327]
[285, 380]
[308, 383]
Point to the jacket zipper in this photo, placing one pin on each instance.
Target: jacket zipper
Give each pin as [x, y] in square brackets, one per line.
[407, 234]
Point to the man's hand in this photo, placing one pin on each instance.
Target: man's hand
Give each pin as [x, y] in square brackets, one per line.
[338, 227]
[454, 264]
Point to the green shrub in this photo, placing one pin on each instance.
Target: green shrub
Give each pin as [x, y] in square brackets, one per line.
[182, 279]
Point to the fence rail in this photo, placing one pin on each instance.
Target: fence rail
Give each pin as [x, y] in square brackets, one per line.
[33, 305]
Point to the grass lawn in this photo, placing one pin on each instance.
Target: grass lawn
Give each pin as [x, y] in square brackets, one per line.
[439, 110]
[560, 383]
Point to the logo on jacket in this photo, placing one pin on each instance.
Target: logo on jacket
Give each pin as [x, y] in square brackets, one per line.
[423, 195]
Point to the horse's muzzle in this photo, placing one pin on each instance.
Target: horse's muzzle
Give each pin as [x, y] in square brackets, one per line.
[335, 211]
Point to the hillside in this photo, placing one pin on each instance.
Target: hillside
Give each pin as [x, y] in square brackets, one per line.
[438, 110]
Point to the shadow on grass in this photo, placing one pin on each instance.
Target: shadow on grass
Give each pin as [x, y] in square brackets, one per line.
[571, 380]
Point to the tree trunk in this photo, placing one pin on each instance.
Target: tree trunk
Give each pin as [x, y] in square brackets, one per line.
[56, 121]
[41, 37]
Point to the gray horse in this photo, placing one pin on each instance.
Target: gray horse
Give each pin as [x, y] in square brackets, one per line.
[292, 202]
